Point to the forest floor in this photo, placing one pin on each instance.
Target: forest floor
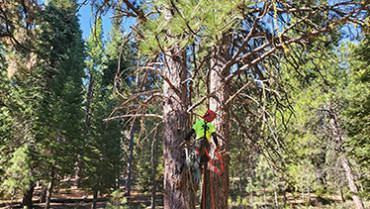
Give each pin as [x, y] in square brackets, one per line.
[77, 199]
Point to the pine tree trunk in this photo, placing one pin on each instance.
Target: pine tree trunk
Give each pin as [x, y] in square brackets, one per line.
[338, 137]
[177, 193]
[27, 196]
[217, 104]
[130, 158]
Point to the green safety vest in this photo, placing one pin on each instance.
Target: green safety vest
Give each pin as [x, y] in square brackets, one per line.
[199, 129]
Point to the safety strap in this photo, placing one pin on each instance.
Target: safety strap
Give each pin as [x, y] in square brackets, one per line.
[211, 185]
[210, 171]
[216, 170]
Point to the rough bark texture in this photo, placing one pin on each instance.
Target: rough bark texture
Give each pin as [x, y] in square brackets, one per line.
[338, 137]
[217, 104]
[176, 191]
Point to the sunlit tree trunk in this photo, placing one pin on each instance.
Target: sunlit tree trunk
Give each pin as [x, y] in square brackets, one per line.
[351, 183]
[218, 104]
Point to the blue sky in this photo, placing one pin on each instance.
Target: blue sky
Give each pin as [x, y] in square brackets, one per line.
[87, 21]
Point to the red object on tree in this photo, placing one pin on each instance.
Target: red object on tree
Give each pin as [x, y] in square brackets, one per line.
[209, 116]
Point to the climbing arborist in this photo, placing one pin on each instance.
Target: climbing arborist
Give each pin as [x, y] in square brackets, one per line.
[204, 129]
[198, 157]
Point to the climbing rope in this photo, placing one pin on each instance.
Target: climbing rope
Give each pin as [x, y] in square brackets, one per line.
[211, 168]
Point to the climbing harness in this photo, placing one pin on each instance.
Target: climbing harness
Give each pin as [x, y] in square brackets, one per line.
[198, 157]
[215, 169]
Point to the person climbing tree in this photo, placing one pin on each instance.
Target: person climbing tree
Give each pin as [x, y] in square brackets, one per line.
[198, 158]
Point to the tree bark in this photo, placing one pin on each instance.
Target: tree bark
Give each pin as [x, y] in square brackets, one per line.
[28, 194]
[338, 136]
[177, 193]
[217, 104]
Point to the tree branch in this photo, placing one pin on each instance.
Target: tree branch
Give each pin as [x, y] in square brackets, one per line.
[134, 116]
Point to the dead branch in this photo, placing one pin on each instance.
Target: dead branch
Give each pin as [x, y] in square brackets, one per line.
[134, 116]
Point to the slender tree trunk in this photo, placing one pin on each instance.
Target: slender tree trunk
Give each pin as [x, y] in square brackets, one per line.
[285, 198]
[88, 98]
[338, 137]
[154, 173]
[351, 183]
[78, 165]
[49, 190]
[43, 195]
[341, 193]
[276, 196]
[27, 196]
[130, 158]
[95, 197]
[177, 193]
[218, 104]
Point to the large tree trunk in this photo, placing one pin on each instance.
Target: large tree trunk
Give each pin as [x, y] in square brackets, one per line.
[177, 193]
[28, 194]
[338, 136]
[217, 104]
